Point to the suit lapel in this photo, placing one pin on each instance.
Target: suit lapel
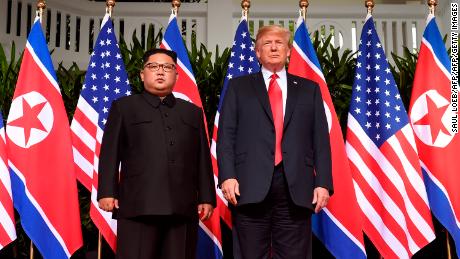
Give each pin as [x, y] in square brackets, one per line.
[261, 93]
[291, 100]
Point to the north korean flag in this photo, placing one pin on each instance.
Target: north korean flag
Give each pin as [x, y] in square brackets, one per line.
[431, 118]
[40, 156]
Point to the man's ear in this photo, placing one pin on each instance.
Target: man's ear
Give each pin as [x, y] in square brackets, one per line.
[258, 54]
[141, 74]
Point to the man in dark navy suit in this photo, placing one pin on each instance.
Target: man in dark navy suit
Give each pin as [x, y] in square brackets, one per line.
[274, 154]
[166, 178]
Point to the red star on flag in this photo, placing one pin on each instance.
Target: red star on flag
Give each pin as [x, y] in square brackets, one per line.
[29, 119]
[433, 118]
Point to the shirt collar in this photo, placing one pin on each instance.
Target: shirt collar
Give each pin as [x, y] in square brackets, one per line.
[169, 99]
[267, 74]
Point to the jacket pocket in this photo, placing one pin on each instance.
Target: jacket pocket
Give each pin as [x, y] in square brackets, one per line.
[137, 121]
[194, 123]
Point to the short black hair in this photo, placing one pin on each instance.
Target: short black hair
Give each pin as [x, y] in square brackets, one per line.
[151, 52]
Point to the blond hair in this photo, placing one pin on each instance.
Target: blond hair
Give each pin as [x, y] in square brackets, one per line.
[277, 29]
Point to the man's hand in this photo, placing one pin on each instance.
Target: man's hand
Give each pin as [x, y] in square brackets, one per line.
[107, 204]
[230, 188]
[320, 197]
[205, 210]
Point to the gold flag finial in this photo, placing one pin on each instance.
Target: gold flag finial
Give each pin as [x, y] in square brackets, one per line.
[432, 5]
[110, 4]
[41, 5]
[175, 6]
[303, 4]
[245, 5]
[369, 5]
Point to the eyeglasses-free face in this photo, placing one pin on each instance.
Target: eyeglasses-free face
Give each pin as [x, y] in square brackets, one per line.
[153, 66]
[272, 50]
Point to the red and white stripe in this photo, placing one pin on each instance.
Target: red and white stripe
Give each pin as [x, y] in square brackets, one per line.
[390, 191]
[7, 222]
[222, 204]
[86, 143]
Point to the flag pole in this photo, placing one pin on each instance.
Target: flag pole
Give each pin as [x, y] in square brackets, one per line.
[449, 254]
[369, 4]
[108, 10]
[432, 7]
[245, 5]
[303, 4]
[41, 5]
[31, 249]
[99, 245]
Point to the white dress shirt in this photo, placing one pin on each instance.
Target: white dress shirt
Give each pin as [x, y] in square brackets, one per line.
[281, 80]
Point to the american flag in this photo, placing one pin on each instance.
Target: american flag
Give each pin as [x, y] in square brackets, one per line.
[430, 114]
[7, 221]
[209, 233]
[339, 225]
[105, 81]
[243, 61]
[383, 157]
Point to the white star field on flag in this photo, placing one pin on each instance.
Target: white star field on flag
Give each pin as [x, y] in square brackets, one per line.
[379, 108]
[106, 79]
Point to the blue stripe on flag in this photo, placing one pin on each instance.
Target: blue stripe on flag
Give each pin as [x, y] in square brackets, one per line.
[205, 246]
[433, 36]
[38, 43]
[33, 224]
[176, 43]
[304, 43]
[1, 120]
[335, 240]
[441, 208]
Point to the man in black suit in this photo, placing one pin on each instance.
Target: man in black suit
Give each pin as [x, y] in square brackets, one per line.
[165, 174]
[274, 154]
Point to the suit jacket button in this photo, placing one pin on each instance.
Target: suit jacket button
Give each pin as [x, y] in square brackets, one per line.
[171, 143]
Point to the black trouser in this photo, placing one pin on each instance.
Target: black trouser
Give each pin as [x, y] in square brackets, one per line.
[152, 237]
[274, 228]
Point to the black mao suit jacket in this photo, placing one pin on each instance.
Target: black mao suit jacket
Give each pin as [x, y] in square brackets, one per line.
[246, 139]
[164, 154]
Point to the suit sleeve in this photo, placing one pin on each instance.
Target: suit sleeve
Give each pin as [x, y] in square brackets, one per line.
[322, 146]
[226, 135]
[109, 157]
[206, 187]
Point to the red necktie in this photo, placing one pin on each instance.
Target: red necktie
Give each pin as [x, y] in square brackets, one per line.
[276, 102]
